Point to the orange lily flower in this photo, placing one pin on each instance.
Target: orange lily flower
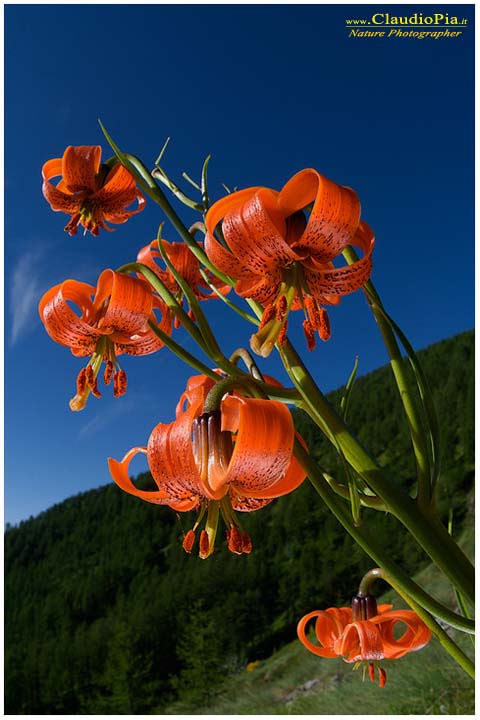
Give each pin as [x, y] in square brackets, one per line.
[92, 193]
[284, 261]
[185, 263]
[341, 633]
[113, 320]
[236, 458]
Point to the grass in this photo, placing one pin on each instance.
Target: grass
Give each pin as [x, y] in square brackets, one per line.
[295, 682]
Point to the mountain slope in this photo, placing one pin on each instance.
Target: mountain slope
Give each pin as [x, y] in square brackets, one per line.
[104, 610]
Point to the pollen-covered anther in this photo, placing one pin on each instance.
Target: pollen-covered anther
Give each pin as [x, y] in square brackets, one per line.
[309, 334]
[107, 375]
[235, 544]
[281, 308]
[268, 314]
[81, 381]
[324, 325]
[92, 382]
[382, 677]
[119, 383]
[246, 543]
[371, 672]
[204, 545]
[282, 335]
[188, 541]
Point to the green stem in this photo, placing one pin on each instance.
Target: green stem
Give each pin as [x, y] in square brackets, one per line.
[148, 184]
[417, 431]
[245, 384]
[182, 353]
[250, 364]
[167, 297]
[375, 550]
[422, 523]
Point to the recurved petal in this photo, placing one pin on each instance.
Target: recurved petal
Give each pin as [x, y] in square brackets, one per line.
[415, 636]
[360, 640]
[171, 460]
[225, 205]
[224, 260]
[196, 391]
[255, 232]
[148, 256]
[263, 447]
[119, 472]
[62, 323]
[263, 290]
[80, 165]
[325, 630]
[332, 281]
[129, 303]
[59, 200]
[118, 192]
[247, 504]
[335, 214]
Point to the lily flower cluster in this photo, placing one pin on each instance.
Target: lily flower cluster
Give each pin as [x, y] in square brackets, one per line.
[229, 450]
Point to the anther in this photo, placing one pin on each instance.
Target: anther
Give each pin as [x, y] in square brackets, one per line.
[204, 543]
[324, 325]
[235, 543]
[371, 672]
[107, 375]
[92, 382]
[281, 308]
[81, 381]
[246, 543]
[382, 677]
[282, 335]
[188, 541]
[119, 383]
[268, 314]
[309, 334]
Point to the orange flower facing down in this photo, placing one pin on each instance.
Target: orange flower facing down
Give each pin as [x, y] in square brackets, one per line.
[284, 260]
[185, 263]
[340, 632]
[92, 193]
[236, 458]
[113, 319]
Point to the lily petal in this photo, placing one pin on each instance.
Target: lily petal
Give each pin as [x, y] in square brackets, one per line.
[335, 215]
[119, 472]
[263, 447]
[80, 165]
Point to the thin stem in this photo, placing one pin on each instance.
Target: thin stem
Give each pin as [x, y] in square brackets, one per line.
[167, 297]
[417, 431]
[423, 524]
[182, 353]
[244, 384]
[250, 364]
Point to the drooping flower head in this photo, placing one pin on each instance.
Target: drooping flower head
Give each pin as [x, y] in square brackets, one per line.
[91, 192]
[112, 319]
[236, 458]
[186, 265]
[283, 259]
[364, 634]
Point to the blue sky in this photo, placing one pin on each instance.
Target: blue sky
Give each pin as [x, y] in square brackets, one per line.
[267, 91]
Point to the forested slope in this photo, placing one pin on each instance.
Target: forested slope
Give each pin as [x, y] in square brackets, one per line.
[103, 607]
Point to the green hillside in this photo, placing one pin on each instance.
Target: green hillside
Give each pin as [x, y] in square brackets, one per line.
[106, 614]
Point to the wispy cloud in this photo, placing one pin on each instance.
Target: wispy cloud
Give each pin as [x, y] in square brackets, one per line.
[111, 412]
[25, 291]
